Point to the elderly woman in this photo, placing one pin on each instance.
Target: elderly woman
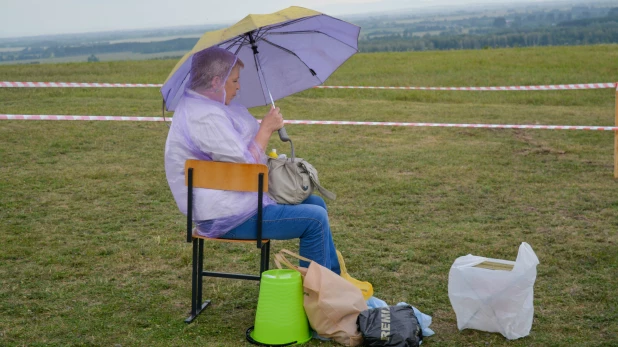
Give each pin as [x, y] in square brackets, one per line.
[207, 125]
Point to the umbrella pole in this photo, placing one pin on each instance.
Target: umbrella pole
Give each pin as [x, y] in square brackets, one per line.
[283, 135]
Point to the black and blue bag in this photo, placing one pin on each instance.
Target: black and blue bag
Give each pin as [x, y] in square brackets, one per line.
[392, 326]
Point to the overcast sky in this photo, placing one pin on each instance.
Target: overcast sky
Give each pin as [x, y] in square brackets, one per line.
[45, 17]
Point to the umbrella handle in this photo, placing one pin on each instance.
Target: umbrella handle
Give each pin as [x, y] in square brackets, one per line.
[283, 135]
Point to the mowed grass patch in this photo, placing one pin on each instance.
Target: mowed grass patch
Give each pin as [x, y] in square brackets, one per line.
[93, 249]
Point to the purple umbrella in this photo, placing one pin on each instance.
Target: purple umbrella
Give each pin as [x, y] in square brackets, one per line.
[284, 53]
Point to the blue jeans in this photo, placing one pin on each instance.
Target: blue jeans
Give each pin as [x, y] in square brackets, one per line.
[307, 221]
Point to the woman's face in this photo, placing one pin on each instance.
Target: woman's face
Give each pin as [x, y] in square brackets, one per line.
[232, 85]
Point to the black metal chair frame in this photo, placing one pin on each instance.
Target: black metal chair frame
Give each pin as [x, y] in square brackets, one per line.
[197, 273]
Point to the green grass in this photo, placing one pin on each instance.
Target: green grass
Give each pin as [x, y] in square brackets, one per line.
[104, 57]
[92, 247]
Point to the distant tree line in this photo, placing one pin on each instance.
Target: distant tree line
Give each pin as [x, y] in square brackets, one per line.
[56, 51]
[578, 32]
[462, 22]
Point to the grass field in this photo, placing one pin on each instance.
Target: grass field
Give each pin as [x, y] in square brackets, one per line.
[120, 56]
[92, 248]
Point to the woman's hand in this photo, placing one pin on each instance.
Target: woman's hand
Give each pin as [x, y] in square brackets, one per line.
[272, 121]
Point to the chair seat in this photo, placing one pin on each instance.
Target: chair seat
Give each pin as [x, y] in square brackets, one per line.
[198, 236]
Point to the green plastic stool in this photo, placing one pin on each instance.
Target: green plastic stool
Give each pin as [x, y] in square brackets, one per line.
[280, 318]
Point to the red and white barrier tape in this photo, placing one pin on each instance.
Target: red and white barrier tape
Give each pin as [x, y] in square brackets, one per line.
[317, 122]
[491, 89]
[503, 88]
[453, 125]
[73, 85]
[57, 117]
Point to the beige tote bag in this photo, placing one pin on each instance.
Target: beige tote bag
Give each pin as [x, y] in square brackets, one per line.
[291, 181]
[331, 302]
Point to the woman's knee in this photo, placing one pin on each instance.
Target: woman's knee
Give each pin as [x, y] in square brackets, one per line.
[317, 221]
[315, 200]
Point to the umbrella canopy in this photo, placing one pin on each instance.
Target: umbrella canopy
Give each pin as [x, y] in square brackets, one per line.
[284, 53]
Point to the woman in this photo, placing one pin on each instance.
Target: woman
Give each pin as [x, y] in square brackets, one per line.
[207, 125]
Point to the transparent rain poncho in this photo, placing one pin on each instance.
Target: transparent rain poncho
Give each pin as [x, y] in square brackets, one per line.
[204, 128]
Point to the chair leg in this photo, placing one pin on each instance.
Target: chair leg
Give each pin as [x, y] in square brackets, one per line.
[194, 277]
[200, 268]
[267, 259]
[196, 281]
[264, 257]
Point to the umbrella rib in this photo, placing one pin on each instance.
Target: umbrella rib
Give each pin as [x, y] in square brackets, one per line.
[310, 32]
[234, 42]
[259, 33]
[294, 54]
[277, 26]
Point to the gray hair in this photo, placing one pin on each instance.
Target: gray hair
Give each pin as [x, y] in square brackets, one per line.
[210, 63]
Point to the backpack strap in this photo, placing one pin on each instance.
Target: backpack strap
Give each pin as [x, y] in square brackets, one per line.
[313, 175]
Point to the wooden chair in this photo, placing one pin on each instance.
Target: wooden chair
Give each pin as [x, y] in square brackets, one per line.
[222, 176]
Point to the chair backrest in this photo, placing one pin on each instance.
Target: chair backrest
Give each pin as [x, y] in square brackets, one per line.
[226, 176]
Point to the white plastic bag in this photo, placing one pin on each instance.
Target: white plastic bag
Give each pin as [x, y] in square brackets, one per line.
[494, 300]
